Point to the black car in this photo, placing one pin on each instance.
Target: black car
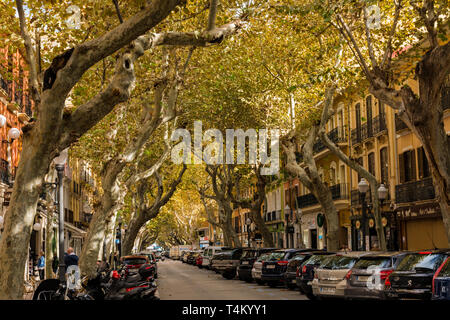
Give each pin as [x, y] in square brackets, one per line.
[441, 282]
[274, 268]
[292, 270]
[306, 272]
[226, 262]
[414, 275]
[248, 258]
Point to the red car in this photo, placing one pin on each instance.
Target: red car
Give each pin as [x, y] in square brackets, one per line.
[199, 261]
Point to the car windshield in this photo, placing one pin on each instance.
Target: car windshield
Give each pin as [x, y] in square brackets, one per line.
[421, 262]
[318, 259]
[373, 262]
[338, 263]
[445, 271]
[264, 257]
[275, 256]
[249, 254]
[134, 261]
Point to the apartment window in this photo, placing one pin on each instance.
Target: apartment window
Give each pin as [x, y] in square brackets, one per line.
[332, 176]
[407, 166]
[342, 174]
[384, 165]
[422, 161]
[358, 116]
[369, 114]
[371, 163]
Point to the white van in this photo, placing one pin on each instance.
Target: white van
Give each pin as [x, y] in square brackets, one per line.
[209, 252]
[175, 252]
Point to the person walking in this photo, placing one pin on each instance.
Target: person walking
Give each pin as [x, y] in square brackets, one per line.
[70, 259]
[41, 265]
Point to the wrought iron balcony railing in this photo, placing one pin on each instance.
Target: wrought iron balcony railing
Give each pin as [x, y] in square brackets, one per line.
[415, 191]
[338, 192]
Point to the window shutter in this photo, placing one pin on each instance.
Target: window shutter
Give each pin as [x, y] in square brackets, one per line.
[401, 167]
[420, 162]
[413, 165]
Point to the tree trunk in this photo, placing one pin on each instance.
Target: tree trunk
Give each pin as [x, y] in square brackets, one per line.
[266, 234]
[19, 218]
[133, 230]
[48, 242]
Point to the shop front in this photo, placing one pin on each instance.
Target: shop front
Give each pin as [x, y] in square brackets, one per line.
[422, 227]
[313, 230]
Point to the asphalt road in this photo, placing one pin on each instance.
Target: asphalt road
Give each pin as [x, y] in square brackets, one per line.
[180, 281]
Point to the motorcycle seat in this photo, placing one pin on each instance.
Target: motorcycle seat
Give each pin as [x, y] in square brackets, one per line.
[134, 278]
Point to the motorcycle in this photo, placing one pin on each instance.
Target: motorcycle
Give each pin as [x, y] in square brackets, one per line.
[114, 285]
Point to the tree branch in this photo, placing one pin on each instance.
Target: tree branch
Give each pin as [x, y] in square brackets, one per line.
[212, 15]
[30, 55]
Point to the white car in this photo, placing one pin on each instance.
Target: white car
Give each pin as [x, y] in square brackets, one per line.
[208, 254]
[257, 268]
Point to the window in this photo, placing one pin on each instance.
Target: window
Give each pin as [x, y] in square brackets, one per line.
[358, 116]
[371, 163]
[424, 169]
[384, 165]
[407, 166]
[369, 114]
[361, 163]
[332, 176]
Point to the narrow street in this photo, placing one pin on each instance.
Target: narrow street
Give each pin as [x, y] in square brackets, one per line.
[180, 281]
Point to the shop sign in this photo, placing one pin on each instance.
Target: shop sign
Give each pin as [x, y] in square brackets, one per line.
[421, 210]
[371, 223]
[384, 221]
[357, 224]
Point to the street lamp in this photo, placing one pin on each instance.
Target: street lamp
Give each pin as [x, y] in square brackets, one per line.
[363, 187]
[382, 195]
[60, 163]
[248, 222]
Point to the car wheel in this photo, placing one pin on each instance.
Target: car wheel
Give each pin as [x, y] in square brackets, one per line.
[310, 296]
[228, 276]
[272, 284]
[156, 276]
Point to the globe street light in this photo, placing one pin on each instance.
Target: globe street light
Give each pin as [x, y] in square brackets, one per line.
[60, 163]
[363, 187]
[382, 195]
[248, 222]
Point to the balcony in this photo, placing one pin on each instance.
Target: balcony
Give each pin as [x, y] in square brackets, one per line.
[415, 191]
[338, 192]
[337, 135]
[379, 124]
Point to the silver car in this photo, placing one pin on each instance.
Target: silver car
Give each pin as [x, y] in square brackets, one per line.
[330, 278]
[257, 268]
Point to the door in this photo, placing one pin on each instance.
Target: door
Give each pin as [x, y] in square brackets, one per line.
[369, 115]
[313, 234]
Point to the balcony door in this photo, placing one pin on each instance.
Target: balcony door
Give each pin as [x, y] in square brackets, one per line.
[358, 120]
[369, 115]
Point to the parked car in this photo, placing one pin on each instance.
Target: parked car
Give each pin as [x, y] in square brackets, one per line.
[366, 280]
[192, 257]
[249, 256]
[413, 277]
[208, 254]
[441, 282]
[199, 261]
[184, 255]
[330, 279]
[306, 272]
[227, 261]
[257, 268]
[152, 260]
[275, 266]
[132, 263]
[292, 269]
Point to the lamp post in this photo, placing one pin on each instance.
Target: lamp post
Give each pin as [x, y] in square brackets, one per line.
[248, 222]
[382, 195]
[60, 162]
[363, 187]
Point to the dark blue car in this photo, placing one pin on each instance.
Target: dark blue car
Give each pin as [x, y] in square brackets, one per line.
[441, 282]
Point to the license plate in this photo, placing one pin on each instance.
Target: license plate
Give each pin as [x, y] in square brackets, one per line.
[294, 281]
[270, 266]
[244, 262]
[362, 278]
[326, 290]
